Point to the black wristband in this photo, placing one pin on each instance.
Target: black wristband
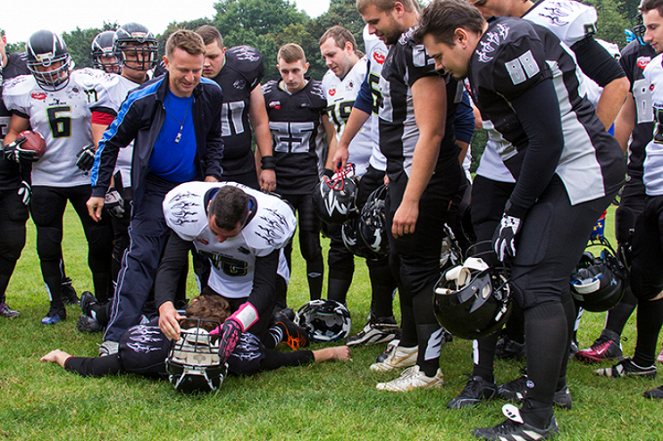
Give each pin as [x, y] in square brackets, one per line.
[328, 172]
[268, 162]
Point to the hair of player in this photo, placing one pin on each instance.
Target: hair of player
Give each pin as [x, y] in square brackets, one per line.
[387, 5]
[441, 18]
[290, 53]
[187, 40]
[207, 307]
[210, 34]
[341, 37]
[229, 206]
[648, 5]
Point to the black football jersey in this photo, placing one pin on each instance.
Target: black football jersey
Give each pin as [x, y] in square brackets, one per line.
[513, 56]
[406, 63]
[635, 57]
[10, 177]
[294, 120]
[241, 73]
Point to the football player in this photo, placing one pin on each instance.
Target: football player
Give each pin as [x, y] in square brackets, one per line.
[51, 102]
[341, 84]
[416, 123]
[526, 85]
[102, 52]
[296, 109]
[647, 248]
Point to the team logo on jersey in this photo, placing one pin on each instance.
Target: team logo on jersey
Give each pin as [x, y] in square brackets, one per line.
[201, 240]
[643, 62]
[651, 87]
[246, 53]
[351, 86]
[558, 13]
[275, 105]
[239, 84]
[379, 57]
[38, 95]
[182, 209]
[332, 92]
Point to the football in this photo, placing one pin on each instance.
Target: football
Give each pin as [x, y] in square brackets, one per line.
[33, 141]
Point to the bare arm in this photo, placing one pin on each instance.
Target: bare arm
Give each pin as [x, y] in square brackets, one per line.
[611, 100]
[625, 122]
[260, 123]
[429, 96]
[354, 123]
[16, 126]
[331, 139]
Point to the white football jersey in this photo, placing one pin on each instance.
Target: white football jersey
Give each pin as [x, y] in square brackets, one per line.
[233, 261]
[376, 52]
[106, 92]
[341, 94]
[62, 118]
[653, 164]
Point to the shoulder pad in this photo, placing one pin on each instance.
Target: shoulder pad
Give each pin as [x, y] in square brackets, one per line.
[89, 78]
[316, 90]
[569, 20]
[272, 226]
[20, 85]
[184, 209]
[269, 87]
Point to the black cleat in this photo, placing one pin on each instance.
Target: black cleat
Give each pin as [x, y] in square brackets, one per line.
[476, 390]
[293, 335]
[515, 429]
[88, 325]
[69, 296]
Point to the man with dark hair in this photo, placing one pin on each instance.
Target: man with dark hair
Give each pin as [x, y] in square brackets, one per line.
[417, 115]
[296, 109]
[175, 123]
[525, 83]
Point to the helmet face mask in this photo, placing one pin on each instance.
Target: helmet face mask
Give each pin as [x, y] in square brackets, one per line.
[102, 52]
[193, 363]
[324, 320]
[48, 60]
[135, 47]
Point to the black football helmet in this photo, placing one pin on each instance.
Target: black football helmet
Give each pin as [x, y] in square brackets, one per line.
[193, 363]
[102, 46]
[372, 223]
[353, 241]
[598, 283]
[450, 254]
[135, 47]
[334, 199]
[324, 320]
[44, 51]
[472, 300]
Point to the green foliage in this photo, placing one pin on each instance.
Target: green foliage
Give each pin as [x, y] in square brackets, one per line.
[611, 21]
[191, 25]
[79, 42]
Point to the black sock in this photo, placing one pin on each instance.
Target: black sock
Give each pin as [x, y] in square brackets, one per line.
[337, 287]
[650, 319]
[569, 310]
[314, 271]
[383, 285]
[484, 357]
[619, 315]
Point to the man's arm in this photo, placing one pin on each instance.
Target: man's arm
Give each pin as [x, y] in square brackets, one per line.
[625, 122]
[330, 131]
[429, 97]
[16, 126]
[174, 259]
[611, 101]
[260, 123]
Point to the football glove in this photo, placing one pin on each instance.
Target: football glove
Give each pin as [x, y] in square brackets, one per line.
[230, 332]
[86, 158]
[114, 203]
[504, 239]
[25, 192]
[14, 152]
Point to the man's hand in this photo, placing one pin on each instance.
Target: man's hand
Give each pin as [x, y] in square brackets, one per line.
[267, 180]
[14, 152]
[211, 179]
[25, 192]
[230, 332]
[504, 239]
[94, 206]
[169, 321]
[86, 157]
[405, 218]
[114, 203]
[341, 156]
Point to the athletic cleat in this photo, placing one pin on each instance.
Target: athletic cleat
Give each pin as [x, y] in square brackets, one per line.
[108, 348]
[391, 347]
[379, 330]
[516, 391]
[516, 429]
[293, 335]
[400, 358]
[625, 368]
[606, 347]
[88, 301]
[69, 293]
[654, 393]
[88, 325]
[7, 312]
[54, 315]
[412, 378]
[289, 313]
[509, 349]
[476, 390]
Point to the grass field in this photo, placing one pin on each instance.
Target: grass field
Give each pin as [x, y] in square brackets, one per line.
[329, 401]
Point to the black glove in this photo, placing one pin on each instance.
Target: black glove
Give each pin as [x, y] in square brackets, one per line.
[230, 332]
[25, 192]
[86, 158]
[504, 239]
[14, 152]
[114, 203]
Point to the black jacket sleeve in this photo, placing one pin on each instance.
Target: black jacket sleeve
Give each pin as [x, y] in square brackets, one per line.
[94, 366]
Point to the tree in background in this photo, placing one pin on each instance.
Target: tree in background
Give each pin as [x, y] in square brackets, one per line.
[612, 20]
[79, 43]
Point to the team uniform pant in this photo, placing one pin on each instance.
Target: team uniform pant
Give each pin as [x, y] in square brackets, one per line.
[13, 215]
[415, 261]
[47, 208]
[148, 235]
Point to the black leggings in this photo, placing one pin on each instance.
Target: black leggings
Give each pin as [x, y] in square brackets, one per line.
[13, 215]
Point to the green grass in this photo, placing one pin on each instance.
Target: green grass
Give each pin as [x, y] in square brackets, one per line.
[328, 401]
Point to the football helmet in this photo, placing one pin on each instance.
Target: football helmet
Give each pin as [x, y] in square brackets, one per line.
[472, 300]
[48, 60]
[372, 223]
[598, 283]
[193, 363]
[135, 47]
[102, 46]
[353, 241]
[450, 255]
[324, 320]
[334, 198]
